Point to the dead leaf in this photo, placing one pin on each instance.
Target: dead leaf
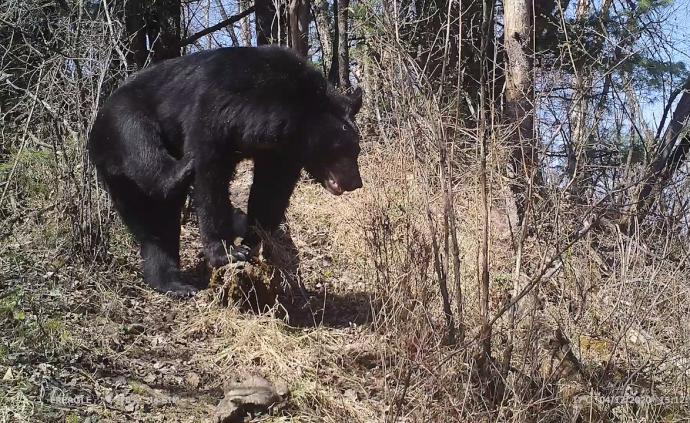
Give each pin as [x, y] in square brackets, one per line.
[350, 394]
[193, 380]
[150, 378]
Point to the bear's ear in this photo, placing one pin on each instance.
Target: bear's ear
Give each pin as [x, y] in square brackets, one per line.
[355, 101]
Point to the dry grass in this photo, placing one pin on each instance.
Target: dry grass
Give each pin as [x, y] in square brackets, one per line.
[363, 340]
[360, 332]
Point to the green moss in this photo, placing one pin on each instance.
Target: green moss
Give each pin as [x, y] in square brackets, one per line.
[9, 307]
[503, 279]
[58, 332]
[139, 388]
[34, 172]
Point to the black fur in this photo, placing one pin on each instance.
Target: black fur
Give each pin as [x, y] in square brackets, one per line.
[190, 120]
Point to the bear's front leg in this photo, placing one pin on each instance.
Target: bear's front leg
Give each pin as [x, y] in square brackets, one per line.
[212, 198]
[275, 178]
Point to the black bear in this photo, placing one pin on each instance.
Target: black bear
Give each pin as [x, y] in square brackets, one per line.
[190, 120]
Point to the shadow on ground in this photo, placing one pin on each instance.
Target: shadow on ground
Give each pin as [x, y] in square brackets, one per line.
[299, 305]
[307, 306]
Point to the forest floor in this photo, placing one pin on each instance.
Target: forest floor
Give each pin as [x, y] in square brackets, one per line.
[96, 344]
[358, 333]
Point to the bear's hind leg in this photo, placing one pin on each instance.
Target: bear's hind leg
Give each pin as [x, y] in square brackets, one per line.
[155, 224]
[161, 258]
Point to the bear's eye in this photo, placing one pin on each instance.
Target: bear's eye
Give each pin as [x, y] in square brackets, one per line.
[344, 127]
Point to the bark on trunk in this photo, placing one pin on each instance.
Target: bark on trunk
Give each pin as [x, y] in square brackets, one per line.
[299, 26]
[523, 163]
[324, 28]
[334, 71]
[518, 40]
[231, 28]
[267, 23]
[135, 23]
[153, 29]
[343, 44]
[246, 28]
[579, 148]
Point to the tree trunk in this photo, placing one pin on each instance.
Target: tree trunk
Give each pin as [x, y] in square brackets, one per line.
[135, 24]
[299, 26]
[334, 71]
[164, 40]
[324, 28]
[231, 28]
[343, 44]
[153, 29]
[579, 148]
[246, 28]
[518, 41]
[266, 32]
[523, 163]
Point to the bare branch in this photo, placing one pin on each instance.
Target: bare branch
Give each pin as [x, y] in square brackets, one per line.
[231, 20]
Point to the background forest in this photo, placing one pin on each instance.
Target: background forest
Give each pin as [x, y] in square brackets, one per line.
[519, 251]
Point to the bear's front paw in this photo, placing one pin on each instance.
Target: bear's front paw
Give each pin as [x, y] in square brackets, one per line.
[242, 252]
[232, 254]
[179, 289]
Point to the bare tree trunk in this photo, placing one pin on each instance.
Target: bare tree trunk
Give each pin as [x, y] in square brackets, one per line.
[154, 30]
[324, 28]
[246, 28]
[266, 31]
[299, 26]
[523, 163]
[484, 137]
[334, 71]
[579, 148]
[518, 40]
[231, 28]
[343, 43]
[164, 42]
[135, 23]
[671, 152]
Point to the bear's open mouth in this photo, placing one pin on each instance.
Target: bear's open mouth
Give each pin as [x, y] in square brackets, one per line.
[331, 184]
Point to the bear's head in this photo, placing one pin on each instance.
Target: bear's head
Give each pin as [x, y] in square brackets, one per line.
[333, 140]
